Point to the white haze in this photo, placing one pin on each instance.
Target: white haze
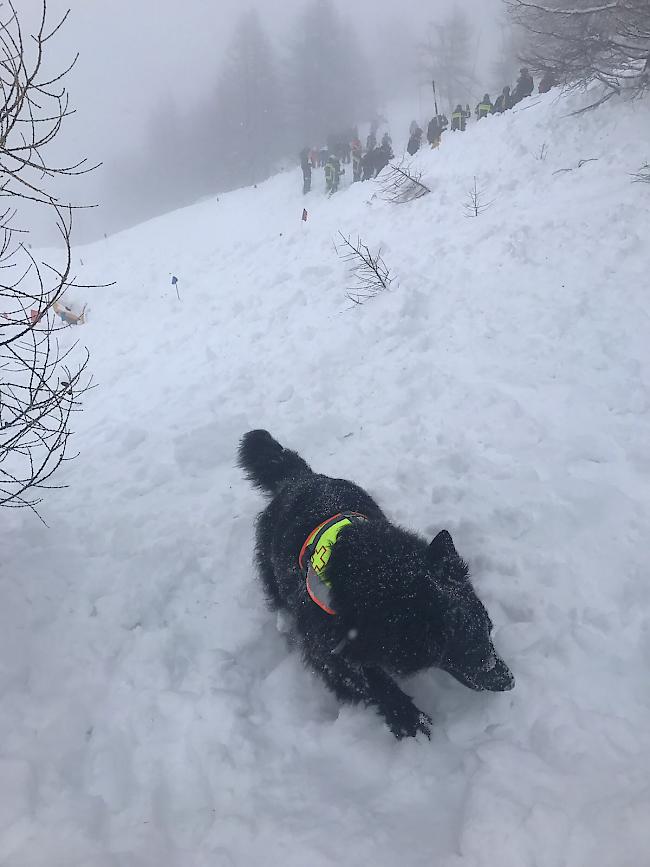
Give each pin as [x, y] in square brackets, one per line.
[136, 55]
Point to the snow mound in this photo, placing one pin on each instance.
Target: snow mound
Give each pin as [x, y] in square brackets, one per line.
[151, 714]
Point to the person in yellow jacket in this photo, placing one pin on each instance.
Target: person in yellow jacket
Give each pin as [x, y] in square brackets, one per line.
[485, 107]
[459, 118]
[333, 172]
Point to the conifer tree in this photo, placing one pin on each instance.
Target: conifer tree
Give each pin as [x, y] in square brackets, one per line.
[448, 57]
[249, 133]
[329, 85]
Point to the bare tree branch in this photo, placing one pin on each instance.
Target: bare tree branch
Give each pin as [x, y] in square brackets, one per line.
[589, 10]
[402, 184]
[39, 389]
[580, 164]
[583, 42]
[371, 274]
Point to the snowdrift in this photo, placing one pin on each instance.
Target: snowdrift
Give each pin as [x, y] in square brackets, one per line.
[151, 714]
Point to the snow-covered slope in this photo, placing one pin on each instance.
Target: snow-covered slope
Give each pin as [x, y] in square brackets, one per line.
[151, 714]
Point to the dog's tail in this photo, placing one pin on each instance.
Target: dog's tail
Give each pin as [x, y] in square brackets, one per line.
[266, 463]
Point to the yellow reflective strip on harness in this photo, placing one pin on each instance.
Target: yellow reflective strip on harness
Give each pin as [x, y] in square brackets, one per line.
[320, 557]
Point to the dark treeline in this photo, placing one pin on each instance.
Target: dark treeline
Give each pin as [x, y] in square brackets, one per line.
[262, 109]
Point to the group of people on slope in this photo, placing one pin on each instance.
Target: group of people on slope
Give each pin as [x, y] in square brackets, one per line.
[366, 163]
[508, 98]
[505, 101]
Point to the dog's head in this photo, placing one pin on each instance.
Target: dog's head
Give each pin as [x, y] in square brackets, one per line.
[467, 651]
[405, 607]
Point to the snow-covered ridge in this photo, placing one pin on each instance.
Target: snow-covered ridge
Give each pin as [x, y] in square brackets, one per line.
[150, 712]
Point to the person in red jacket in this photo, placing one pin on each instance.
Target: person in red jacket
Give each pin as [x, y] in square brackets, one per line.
[548, 81]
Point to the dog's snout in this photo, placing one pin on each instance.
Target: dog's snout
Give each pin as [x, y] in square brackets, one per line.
[490, 663]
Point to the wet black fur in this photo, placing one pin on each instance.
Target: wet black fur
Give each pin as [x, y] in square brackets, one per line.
[402, 604]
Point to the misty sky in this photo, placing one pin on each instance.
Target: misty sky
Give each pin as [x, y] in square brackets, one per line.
[133, 53]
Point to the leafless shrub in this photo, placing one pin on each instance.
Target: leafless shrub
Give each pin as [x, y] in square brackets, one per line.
[40, 383]
[542, 153]
[402, 184]
[476, 203]
[370, 272]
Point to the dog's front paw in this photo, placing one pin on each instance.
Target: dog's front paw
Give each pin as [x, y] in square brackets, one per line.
[405, 720]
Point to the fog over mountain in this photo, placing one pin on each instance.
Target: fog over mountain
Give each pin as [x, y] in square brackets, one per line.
[146, 88]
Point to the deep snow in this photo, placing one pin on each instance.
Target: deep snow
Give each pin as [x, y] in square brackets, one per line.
[151, 714]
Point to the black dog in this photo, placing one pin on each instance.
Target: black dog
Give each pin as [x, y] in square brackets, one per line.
[367, 599]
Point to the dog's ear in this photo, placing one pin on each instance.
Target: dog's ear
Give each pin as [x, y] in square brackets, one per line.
[442, 552]
[442, 547]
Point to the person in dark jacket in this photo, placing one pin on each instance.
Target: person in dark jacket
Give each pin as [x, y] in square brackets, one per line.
[382, 157]
[415, 140]
[548, 81]
[437, 125]
[368, 165]
[305, 165]
[503, 102]
[484, 107]
[524, 87]
[376, 160]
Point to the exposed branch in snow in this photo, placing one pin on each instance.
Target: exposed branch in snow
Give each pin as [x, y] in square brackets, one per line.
[542, 152]
[476, 204]
[40, 387]
[581, 163]
[594, 105]
[589, 10]
[643, 175]
[371, 274]
[402, 184]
